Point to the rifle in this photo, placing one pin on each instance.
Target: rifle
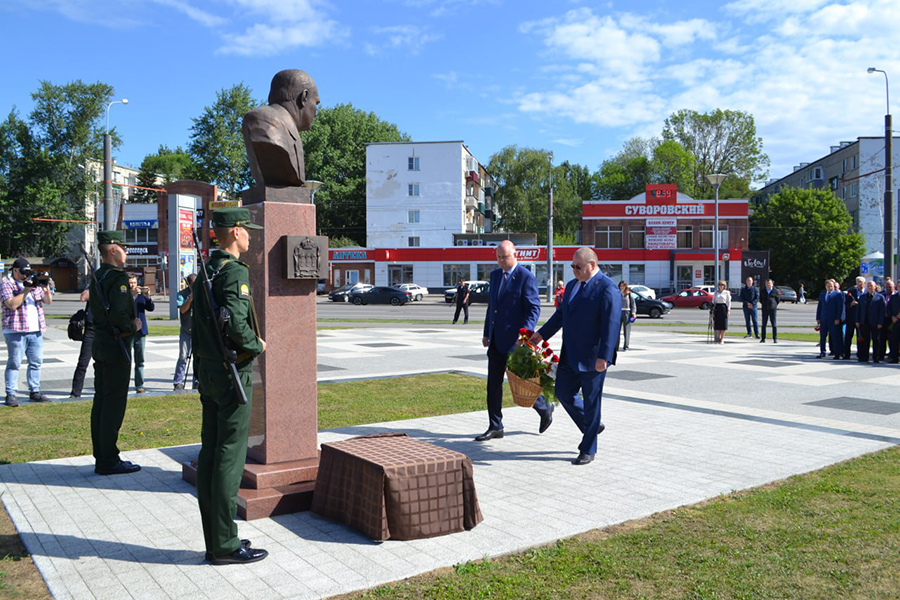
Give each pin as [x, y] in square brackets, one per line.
[220, 317]
[105, 303]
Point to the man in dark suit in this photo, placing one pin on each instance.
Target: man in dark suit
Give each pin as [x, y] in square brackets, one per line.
[869, 322]
[749, 296]
[890, 333]
[851, 308]
[513, 304]
[589, 316]
[829, 315]
[769, 298]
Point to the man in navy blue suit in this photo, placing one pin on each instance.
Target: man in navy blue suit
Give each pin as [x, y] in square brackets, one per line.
[589, 316]
[829, 316]
[513, 304]
[869, 321]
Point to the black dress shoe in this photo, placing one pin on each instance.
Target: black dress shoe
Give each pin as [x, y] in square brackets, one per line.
[121, 468]
[490, 434]
[601, 428]
[547, 419]
[242, 555]
[209, 557]
[820, 355]
[583, 459]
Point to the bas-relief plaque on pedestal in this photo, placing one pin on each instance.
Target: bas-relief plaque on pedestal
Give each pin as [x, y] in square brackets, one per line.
[307, 257]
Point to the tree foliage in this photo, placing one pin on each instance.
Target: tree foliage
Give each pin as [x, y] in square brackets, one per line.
[642, 162]
[336, 155]
[43, 163]
[808, 234]
[170, 165]
[522, 176]
[721, 141]
[217, 144]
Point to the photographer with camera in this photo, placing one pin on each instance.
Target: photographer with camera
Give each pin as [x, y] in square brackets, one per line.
[185, 309]
[143, 303]
[23, 294]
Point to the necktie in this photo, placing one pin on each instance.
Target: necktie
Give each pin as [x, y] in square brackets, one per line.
[576, 290]
[503, 282]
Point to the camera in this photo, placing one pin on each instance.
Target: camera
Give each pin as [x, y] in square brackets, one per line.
[33, 279]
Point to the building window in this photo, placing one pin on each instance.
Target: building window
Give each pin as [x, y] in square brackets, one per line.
[706, 236]
[614, 272]
[854, 190]
[414, 189]
[413, 163]
[833, 184]
[636, 274]
[608, 236]
[855, 163]
[817, 173]
[453, 274]
[844, 166]
[412, 216]
[484, 271]
[685, 237]
[398, 274]
[414, 241]
[636, 237]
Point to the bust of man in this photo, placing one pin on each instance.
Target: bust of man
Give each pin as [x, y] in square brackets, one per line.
[272, 132]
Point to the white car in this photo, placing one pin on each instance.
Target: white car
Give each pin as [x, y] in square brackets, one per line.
[416, 291]
[643, 290]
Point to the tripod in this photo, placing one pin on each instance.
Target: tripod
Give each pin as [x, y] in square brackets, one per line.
[709, 327]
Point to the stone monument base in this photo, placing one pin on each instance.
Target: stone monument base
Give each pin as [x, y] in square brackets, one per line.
[270, 490]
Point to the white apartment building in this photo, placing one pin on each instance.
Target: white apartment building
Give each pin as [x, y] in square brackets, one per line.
[854, 171]
[419, 194]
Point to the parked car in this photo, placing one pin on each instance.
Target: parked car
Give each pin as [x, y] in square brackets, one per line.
[380, 295]
[478, 292]
[786, 293]
[342, 294]
[650, 306]
[691, 297]
[416, 291]
[644, 291]
[707, 288]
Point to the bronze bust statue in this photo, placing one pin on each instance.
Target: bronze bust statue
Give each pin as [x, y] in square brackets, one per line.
[272, 132]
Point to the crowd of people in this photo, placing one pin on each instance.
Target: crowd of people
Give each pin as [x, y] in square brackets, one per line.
[868, 312]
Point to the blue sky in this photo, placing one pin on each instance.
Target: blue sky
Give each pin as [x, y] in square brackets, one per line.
[577, 78]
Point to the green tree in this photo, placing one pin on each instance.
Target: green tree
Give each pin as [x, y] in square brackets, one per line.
[170, 165]
[621, 178]
[342, 241]
[808, 235]
[721, 141]
[522, 176]
[217, 144]
[671, 163]
[335, 154]
[43, 165]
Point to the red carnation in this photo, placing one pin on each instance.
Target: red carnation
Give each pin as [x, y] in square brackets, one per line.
[546, 344]
[555, 358]
[523, 331]
[548, 352]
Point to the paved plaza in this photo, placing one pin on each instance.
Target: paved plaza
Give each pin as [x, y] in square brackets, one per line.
[686, 421]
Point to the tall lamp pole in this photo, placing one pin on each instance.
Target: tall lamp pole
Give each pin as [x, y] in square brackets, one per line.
[550, 233]
[888, 182]
[109, 212]
[716, 181]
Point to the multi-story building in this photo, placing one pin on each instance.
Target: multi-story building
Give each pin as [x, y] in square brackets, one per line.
[421, 194]
[854, 171]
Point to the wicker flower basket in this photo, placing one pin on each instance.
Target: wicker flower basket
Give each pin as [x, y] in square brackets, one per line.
[524, 391]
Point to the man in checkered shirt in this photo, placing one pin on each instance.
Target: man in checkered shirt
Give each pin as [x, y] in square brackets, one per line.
[23, 328]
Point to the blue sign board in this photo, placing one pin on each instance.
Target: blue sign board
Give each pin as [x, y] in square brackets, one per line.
[144, 224]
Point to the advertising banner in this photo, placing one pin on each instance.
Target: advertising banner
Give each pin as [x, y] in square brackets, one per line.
[755, 264]
[185, 224]
[661, 234]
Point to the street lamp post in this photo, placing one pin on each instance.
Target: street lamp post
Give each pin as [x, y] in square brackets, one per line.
[109, 213]
[313, 186]
[716, 181]
[550, 232]
[888, 181]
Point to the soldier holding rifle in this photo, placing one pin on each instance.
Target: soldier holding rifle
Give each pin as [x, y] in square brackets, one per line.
[225, 343]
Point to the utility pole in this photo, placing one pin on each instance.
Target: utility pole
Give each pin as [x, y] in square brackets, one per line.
[888, 181]
[550, 233]
[109, 209]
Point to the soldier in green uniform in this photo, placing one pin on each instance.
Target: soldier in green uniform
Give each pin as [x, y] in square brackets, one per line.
[112, 365]
[226, 423]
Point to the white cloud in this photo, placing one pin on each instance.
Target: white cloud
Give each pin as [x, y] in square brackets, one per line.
[201, 16]
[802, 76]
[285, 24]
[394, 37]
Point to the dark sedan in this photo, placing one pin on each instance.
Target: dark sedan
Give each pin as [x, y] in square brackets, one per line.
[380, 295]
[650, 306]
[478, 292]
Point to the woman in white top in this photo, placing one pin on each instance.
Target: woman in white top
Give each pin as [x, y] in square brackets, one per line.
[721, 309]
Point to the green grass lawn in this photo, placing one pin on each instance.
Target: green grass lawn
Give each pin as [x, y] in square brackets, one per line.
[834, 533]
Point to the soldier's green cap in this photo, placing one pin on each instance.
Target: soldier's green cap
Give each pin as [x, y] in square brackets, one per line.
[233, 217]
[111, 237]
